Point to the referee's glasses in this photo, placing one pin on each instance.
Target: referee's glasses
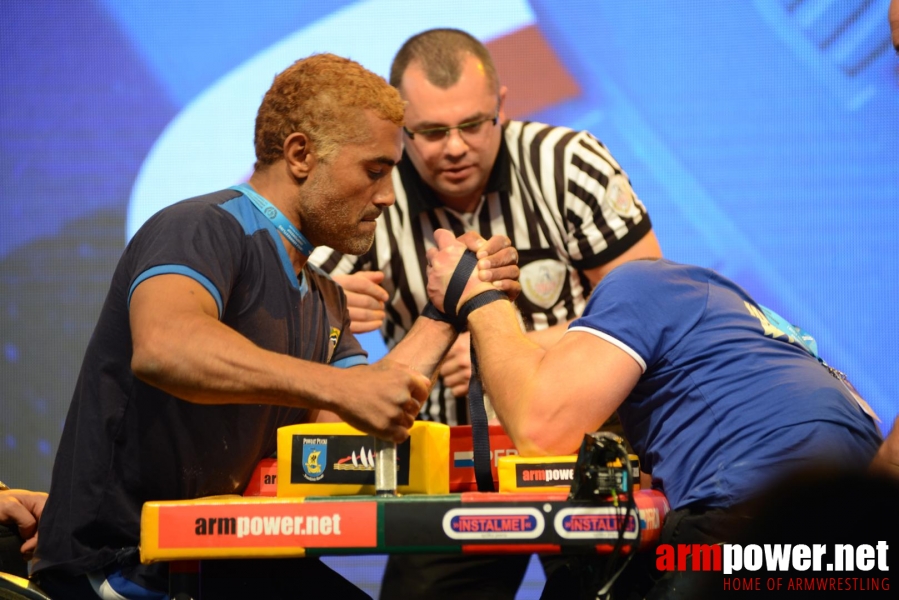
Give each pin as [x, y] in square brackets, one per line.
[467, 131]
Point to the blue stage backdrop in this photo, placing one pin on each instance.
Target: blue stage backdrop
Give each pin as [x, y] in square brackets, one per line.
[763, 137]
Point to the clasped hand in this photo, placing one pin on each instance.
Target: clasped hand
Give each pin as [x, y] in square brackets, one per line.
[497, 266]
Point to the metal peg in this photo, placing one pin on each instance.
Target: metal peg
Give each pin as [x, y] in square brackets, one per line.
[385, 468]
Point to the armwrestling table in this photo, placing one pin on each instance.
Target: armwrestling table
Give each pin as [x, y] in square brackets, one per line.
[186, 532]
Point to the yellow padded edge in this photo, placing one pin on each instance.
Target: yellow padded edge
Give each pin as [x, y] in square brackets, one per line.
[15, 580]
[428, 469]
[545, 469]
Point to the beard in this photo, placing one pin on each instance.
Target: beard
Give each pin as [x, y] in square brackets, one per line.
[329, 221]
[356, 243]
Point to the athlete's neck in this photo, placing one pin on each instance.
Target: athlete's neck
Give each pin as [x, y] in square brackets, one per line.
[267, 185]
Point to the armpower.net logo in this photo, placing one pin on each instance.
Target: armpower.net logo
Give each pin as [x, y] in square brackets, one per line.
[271, 525]
[861, 567]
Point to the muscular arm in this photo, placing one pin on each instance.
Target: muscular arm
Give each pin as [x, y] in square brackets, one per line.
[426, 344]
[366, 298]
[547, 399]
[182, 348]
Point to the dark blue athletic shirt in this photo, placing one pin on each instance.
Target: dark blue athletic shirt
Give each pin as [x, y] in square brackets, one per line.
[722, 407]
[126, 442]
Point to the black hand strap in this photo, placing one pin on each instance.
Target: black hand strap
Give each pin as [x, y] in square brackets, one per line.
[454, 290]
[458, 281]
[477, 413]
[480, 431]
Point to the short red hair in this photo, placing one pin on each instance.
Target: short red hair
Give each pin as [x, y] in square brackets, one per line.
[322, 96]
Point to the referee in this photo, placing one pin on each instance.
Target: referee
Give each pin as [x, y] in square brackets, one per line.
[558, 194]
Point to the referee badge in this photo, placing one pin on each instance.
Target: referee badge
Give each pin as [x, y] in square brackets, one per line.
[542, 281]
[620, 197]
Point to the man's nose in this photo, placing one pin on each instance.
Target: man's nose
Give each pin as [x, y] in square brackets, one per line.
[385, 196]
[455, 143]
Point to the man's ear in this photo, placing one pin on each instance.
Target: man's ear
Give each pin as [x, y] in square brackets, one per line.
[298, 155]
[502, 104]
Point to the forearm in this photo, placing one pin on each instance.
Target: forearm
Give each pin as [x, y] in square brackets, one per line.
[202, 360]
[509, 364]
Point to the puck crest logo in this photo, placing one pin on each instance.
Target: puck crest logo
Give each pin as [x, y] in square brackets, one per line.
[315, 456]
[620, 197]
[542, 281]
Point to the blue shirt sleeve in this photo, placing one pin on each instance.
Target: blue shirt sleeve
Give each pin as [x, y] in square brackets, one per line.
[645, 308]
[194, 239]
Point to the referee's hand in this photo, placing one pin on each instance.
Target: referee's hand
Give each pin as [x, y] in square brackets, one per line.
[365, 299]
[456, 367]
[497, 261]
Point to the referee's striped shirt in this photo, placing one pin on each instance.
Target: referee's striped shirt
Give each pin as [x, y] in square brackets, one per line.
[558, 194]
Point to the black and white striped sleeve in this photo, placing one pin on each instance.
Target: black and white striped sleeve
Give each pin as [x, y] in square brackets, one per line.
[333, 262]
[603, 216]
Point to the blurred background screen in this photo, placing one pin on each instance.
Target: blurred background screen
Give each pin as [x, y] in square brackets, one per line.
[763, 136]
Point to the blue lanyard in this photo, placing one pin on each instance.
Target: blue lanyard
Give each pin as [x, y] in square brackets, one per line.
[792, 332]
[287, 229]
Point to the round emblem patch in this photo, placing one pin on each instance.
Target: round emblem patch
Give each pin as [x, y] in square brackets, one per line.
[542, 281]
[620, 197]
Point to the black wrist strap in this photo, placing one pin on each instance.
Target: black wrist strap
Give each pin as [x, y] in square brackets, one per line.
[458, 281]
[478, 301]
[430, 312]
